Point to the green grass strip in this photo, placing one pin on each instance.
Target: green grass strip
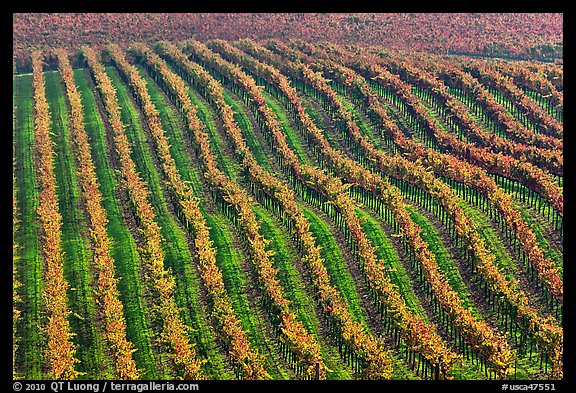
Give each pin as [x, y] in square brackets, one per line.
[551, 251]
[445, 262]
[293, 138]
[29, 356]
[284, 257]
[77, 253]
[516, 193]
[335, 264]
[16, 301]
[492, 240]
[246, 127]
[365, 129]
[178, 257]
[387, 254]
[123, 247]
[225, 161]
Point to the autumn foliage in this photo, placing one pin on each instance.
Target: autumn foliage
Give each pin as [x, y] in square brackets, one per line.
[106, 290]
[361, 343]
[298, 339]
[415, 197]
[60, 350]
[478, 334]
[247, 359]
[447, 165]
[160, 280]
[543, 329]
[497, 34]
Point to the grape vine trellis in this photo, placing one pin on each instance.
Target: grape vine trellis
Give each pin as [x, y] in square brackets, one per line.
[346, 135]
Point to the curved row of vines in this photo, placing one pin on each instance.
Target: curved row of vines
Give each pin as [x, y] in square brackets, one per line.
[419, 200]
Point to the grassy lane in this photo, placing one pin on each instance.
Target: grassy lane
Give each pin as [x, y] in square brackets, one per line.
[542, 215]
[285, 258]
[438, 247]
[493, 241]
[293, 138]
[29, 356]
[178, 256]
[552, 247]
[225, 161]
[365, 129]
[246, 126]
[334, 261]
[123, 247]
[222, 233]
[386, 253]
[75, 242]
